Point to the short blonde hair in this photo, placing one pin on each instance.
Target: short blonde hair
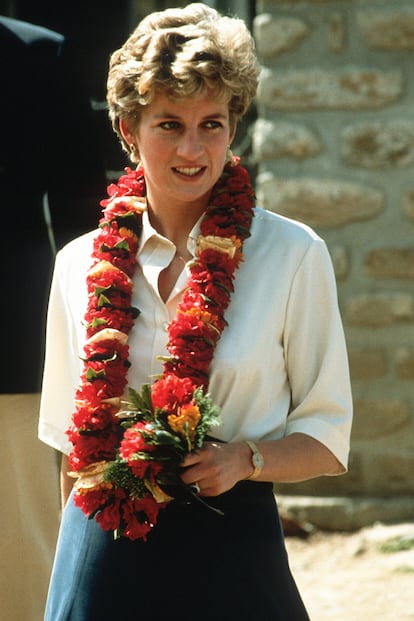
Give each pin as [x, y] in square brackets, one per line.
[183, 52]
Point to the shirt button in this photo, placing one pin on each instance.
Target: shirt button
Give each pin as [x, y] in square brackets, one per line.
[165, 326]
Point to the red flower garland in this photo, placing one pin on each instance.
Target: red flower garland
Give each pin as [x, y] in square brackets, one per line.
[117, 455]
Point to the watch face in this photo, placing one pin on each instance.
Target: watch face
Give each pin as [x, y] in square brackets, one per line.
[257, 460]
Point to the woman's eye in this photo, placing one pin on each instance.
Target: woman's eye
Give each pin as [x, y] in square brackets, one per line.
[212, 124]
[169, 125]
[176, 125]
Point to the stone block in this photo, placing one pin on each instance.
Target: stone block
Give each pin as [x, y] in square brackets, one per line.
[367, 363]
[390, 263]
[376, 418]
[275, 139]
[275, 35]
[404, 358]
[390, 472]
[336, 34]
[409, 204]
[345, 513]
[380, 309]
[319, 202]
[379, 145]
[340, 261]
[348, 88]
[389, 29]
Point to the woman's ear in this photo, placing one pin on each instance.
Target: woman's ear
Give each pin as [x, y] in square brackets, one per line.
[233, 129]
[126, 133]
[130, 140]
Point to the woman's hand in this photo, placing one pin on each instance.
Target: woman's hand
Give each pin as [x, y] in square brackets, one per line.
[217, 467]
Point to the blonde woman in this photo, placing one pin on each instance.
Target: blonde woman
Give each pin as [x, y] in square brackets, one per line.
[235, 303]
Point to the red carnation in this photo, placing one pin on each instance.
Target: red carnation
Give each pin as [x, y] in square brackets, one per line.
[118, 319]
[171, 392]
[88, 417]
[139, 517]
[92, 501]
[136, 441]
[131, 184]
[109, 517]
[89, 448]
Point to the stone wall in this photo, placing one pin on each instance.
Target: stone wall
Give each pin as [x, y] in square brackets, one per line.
[334, 143]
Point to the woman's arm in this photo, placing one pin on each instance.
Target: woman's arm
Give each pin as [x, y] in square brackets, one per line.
[66, 482]
[217, 467]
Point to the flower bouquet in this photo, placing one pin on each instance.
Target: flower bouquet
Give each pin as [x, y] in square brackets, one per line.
[161, 425]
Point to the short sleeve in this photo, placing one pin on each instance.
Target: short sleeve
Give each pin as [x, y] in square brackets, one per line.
[316, 356]
[62, 357]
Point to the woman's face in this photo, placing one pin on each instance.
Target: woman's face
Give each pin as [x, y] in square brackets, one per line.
[182, 146]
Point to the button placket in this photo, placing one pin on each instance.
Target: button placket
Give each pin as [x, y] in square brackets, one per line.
[160, 337]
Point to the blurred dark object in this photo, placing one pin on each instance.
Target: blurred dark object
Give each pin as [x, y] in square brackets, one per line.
[50, 156]
[293, 527]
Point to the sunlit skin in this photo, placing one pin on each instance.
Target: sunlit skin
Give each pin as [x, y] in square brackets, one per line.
[182, 146]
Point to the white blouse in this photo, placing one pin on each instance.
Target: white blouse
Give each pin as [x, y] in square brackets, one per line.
[280, 366]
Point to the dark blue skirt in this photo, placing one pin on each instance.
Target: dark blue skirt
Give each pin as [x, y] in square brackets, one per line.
[195, 566]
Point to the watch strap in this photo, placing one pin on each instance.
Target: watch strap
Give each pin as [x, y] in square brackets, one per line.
[257, 460]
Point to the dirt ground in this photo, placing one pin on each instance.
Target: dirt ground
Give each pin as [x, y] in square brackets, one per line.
[363, 576]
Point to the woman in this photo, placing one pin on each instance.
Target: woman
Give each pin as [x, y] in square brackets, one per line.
[238, 302]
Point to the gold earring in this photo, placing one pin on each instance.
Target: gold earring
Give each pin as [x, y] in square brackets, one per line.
[229, 155]
[134, 153]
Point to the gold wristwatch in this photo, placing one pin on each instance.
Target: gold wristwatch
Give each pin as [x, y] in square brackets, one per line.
[257, 460]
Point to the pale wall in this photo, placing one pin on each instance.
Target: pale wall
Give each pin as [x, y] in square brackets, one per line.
[335, 148]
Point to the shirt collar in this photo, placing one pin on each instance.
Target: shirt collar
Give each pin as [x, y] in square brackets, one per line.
[149, 236]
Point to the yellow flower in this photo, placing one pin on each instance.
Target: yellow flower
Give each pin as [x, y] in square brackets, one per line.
[186, 421]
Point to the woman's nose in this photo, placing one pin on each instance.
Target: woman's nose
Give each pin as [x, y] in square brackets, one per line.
[190, 145]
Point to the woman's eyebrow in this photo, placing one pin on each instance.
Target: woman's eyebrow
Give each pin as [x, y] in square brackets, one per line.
[173, 115]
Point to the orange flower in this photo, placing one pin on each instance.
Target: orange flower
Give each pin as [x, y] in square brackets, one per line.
[203, 315]
[186, 421]
[124, 232]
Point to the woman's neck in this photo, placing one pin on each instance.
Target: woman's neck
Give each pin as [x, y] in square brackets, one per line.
[176, 222]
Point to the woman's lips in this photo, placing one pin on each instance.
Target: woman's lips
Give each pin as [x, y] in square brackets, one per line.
[189, 171]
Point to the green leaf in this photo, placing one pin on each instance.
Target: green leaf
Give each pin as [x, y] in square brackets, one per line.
[243, 231]
[119, 474]
[165, 359]
[92, 375]
[129, 220]
[146, 395]
[121, 245]
[165, 437]
[100, 290]
[98, 322]
[103, 301]
[135, 312]
[141, 401]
